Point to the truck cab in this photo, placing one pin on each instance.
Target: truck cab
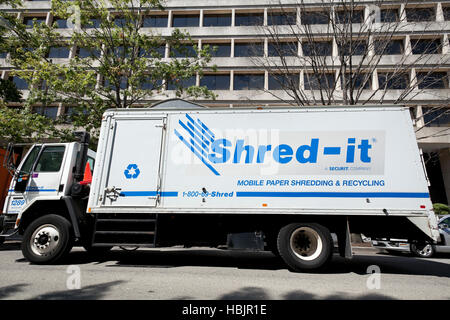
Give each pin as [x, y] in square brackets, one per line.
[48, 174]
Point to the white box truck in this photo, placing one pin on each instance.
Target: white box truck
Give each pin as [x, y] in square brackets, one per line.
[180, 174]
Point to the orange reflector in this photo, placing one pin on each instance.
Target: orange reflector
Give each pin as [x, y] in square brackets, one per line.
[17, 222]
[264, 204]
[87, 179]
[89, 210]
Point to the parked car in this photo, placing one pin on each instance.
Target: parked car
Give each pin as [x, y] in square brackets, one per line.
[423, 251]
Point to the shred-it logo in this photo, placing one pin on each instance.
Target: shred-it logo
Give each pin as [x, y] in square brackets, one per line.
[320, 151]
[199, 140]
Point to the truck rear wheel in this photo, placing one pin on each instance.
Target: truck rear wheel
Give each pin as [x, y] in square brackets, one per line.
[305, 246]
[47, 239]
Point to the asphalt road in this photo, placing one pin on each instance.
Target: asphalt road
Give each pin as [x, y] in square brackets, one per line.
[211, 274]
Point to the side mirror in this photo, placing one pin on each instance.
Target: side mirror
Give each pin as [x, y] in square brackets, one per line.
[443, 226]
[21, 182]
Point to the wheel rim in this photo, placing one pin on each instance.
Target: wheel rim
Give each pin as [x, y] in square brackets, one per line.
[425, 251]
[45, 240]
[306, 243]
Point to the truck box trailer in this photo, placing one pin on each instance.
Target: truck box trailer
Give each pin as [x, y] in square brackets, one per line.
[194, 176]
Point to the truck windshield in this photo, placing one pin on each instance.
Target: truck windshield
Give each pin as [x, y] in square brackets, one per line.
[29, 161]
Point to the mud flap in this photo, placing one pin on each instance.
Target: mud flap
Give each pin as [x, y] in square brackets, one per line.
[344, 241]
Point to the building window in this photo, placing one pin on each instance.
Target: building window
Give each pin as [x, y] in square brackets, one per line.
[93, 23]
[111, 84]
[432, 80]
[49, 112]
[120, 52]
[151, 84]
[248, 81]
[216, 81]
[154, 52]
[60, 23]
[349, 16]
[389, 15]
[388, 47]
[185, 51]
[436, 117]
[420, 14]
[157, 21]
[355, 48]
[30, 21]
[284, 81]
[185, 20]
[249, 19]
[120, 22]
[219, 49]
[88, 53]
[20, 83]
[317, 48]
[59, 52]
[356, 81]
[393, 81]
[446, 11]
[281, 18]
[283, 49]
[183, 83]
[3, 55]
[72, 112]
[315, 17]
[426, 46]
[323, 81]
[217, 20]
[252, 49]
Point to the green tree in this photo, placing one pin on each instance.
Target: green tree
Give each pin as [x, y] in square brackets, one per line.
[120, 66]
[9, 92]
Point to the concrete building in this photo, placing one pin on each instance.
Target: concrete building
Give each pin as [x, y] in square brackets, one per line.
[239, 81]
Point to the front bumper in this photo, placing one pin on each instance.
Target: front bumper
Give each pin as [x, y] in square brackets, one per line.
[392, 246]
[7, 225]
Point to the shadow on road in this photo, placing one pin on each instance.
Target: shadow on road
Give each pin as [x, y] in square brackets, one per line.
[93, 292]
[181, 258]
[255, 293]
[7, 291]
[8, 246]
[255, 260]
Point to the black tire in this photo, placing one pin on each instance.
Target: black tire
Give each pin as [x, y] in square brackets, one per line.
[47, 239]
[305, 246]
[422, 250]
[2, 239]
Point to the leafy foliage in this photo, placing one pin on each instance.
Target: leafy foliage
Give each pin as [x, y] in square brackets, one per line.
[116, 64]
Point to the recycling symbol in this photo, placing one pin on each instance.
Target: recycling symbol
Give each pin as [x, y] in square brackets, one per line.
[132, 171]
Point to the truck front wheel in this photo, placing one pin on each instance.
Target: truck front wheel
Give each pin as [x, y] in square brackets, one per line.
[424, 250]
[305, 246]
[47, 239]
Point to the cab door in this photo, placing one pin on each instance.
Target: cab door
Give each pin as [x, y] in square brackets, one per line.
[40, 174]
[16, 194]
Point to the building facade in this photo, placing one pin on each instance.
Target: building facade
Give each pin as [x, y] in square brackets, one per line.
[236, 29]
